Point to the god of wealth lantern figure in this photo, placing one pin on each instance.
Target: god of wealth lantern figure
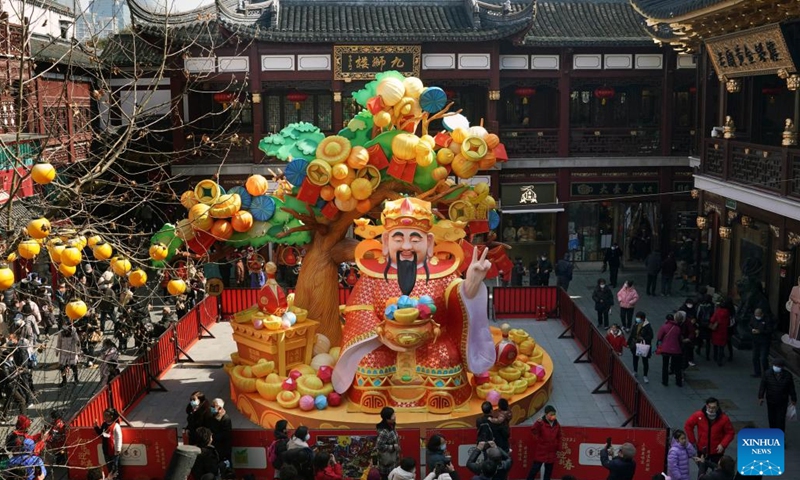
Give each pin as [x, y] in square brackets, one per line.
[413, 328]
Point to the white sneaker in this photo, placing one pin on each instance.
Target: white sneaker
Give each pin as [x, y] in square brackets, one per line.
[692, 364]
[646, 380]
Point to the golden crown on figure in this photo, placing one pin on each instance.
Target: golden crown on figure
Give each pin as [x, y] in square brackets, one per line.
[408, 212]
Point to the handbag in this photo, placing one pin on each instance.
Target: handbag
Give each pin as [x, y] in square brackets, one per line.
[659, 350]
[789, 304]
[791, 412]
[713, 326]
[642, 349]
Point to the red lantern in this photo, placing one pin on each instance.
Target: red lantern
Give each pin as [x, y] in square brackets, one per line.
[604, 93]
[525, 93]
[298, 98]
[224, 97]
[692, 90]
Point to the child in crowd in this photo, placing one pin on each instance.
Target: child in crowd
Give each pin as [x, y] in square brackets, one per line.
[326, 467]
[616, 339]
[406, 470]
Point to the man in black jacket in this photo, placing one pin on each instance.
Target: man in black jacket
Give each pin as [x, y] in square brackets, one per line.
[762, 325]
[622, 466]
[613, 259]
[777, 387]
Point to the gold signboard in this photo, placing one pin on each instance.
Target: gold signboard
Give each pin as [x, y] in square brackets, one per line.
[363, 62]
[757, 51]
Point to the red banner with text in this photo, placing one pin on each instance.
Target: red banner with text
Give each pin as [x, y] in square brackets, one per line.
[146, 452]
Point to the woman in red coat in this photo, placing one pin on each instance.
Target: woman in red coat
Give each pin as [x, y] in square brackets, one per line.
[326, 467]
[546, 443]
[719, 325]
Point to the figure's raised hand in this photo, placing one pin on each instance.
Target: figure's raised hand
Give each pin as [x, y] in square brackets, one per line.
[476, 272]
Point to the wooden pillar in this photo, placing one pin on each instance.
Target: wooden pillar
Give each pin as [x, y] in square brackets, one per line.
[665, 177]
[704, 84]
[493, 96]
[667, 102]
[177, 87]
[564, 88]
[562, 223]
[337, 86]
[257, 108]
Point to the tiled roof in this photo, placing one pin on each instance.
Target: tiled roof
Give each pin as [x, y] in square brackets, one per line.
[665, 9]
[374, 21]
[127, 50]
[45, 49]
[587, 22]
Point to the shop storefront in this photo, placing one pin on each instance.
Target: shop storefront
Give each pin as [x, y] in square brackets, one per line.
[528, 222]
[599, 214]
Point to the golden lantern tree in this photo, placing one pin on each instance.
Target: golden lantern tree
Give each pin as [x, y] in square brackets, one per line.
[387, 150]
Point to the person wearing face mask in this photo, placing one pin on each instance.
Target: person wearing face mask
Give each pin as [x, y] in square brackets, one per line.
[220, 426]
[714, 432]
[436, 451]
[198, 414]
[388, 442]
[603, 301]
[761, 327]
[613, 259]
[546, 443]
[777, 388]
[299, 454]
[641, 333]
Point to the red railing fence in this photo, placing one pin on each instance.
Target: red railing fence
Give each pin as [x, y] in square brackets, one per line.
[525, 302]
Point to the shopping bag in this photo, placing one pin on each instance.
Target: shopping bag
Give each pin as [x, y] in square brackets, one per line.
[789, 304]
[642, 349]
[791, 412]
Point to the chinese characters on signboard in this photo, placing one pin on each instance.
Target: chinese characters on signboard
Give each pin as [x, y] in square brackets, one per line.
[364, 62]
[753, 52]
[682, 187]
[590, 189]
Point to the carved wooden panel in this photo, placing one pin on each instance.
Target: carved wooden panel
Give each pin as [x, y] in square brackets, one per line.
[714, 159]
[530, 143]
[756, 167]
[611, 143]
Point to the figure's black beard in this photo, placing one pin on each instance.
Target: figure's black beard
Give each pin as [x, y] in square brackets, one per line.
[406, 273]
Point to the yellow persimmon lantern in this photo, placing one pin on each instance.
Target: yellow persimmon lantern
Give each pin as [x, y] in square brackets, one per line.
[439, 173]
[6, 277]
[200, 216]
[256, 185]
[67, 270]
[43, 173]
[340, 171]
[102, 251]
[121, 266]
[158, 252]
[28, 249]
[382, 119]
[94, 240]
[391, 91]
[343, 193]
[404, 146]
[39, 228]
[361, 188]
[137, 278]
[12, 257]
[221, 229]
[413, 87]
[76, 309]
[71, 256]
[358, 158]
[55, 251]
[188, 199]
[176, 287]
[327, 193]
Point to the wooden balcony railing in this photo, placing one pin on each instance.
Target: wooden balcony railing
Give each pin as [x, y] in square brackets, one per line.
[612, 142]
[763, 167]
[530, 142]
[684, 142]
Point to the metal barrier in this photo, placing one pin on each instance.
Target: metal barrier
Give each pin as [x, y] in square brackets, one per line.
[616, 378]
[525, 302]
[138, 377]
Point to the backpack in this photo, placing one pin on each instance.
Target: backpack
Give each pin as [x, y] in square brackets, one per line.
[275, 451]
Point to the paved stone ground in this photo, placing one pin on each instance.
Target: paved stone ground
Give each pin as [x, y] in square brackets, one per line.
[572, 385]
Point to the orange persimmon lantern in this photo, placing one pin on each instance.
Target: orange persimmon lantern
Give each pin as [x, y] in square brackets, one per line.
[66, 270]
[39, 228]
[102, 251]
[76, 309]
[242, 221]
[121, 266]
[137, 278]
[43, 173]
[176, 286]
[71, 256]
[6, 277]
[158, 252]
[28, 249]
[222, 230]
[93, 240]
[256, 185]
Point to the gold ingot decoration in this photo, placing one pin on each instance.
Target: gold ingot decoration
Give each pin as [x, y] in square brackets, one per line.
[702, 222]
[733, 85]
[793, 82]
